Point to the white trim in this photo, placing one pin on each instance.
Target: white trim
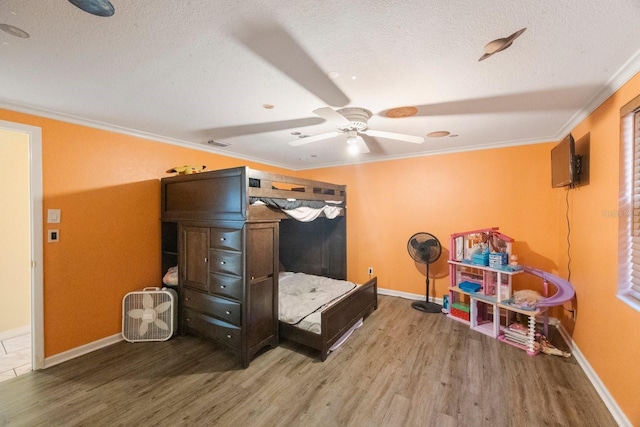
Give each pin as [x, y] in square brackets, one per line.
[35, 183]
[11, 333]
[94, 124]
[606, 397]
[628, 70]
[407, 295]
[82, 350]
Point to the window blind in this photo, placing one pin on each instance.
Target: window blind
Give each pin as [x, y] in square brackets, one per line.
[634, 290]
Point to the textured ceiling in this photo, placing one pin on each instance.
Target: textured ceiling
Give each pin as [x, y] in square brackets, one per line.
[191, 71]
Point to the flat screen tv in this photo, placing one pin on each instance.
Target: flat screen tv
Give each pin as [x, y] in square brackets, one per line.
[563, 163]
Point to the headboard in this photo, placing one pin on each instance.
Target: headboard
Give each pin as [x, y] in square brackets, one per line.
[316, 247]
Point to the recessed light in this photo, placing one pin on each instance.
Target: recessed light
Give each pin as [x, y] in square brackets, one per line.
[333, 74]
[268, 106]
[353, 77]
[295, 133]
[401, 112]
[438, 134]
[453, 135]
[14, 31]
[303, 136]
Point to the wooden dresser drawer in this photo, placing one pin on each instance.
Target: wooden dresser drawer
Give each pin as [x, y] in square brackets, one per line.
[225, 238]
[225, 262]
[219, 308]
[226, 286]
[202, 325]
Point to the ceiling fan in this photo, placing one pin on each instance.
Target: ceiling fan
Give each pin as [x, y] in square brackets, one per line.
[351, 122]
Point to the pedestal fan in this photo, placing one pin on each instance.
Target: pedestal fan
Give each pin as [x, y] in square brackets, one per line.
[425, 248]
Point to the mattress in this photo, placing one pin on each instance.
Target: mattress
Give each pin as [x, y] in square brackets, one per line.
[302, 297]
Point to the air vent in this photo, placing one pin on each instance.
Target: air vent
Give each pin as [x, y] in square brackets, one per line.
[217, 143]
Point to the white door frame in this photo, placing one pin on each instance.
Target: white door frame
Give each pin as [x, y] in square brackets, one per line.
[35, 190]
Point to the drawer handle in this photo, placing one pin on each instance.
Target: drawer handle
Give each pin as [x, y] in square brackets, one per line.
[186, 298]
[229, 336]
[227, 312]
[206, 260]
[222, 239]
[223, 286]
[188, 319]
[222, 262]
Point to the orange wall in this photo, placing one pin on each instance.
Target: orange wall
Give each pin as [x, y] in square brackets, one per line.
[390, 201]
[606, 329]
[107, 187]
[509, 188]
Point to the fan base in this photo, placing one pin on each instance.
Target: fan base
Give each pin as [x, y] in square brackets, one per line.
[427, 307]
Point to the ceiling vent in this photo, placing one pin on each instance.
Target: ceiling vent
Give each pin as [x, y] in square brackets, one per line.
[217, 143]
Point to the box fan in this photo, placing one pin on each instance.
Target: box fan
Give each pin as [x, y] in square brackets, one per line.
[149, 315]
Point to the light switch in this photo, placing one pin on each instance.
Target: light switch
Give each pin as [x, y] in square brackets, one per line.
[53, 216]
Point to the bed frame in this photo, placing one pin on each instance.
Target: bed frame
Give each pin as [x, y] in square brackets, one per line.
[317, 247]
[337, 319]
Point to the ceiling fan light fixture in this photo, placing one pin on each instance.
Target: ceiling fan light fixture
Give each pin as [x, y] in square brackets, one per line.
[352, 143]
[353, 149]
[352, 138]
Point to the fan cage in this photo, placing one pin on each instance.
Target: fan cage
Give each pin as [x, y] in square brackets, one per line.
[135, 300]
[434, 251]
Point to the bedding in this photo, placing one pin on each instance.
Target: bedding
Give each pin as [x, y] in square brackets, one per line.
[303, 296]
[302, 210]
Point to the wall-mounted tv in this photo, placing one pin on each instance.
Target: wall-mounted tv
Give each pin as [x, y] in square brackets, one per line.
[570, 162]
[563, 163]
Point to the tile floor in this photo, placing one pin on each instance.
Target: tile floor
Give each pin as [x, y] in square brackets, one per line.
[15, 356]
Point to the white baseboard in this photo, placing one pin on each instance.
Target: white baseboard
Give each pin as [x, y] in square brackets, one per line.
[606, 397]
[82, 350]
[15, 332]
[407, 295]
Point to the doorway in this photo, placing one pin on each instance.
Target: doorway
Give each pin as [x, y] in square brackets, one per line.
[21, 145]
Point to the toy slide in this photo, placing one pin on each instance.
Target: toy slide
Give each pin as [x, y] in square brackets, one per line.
[565, 290]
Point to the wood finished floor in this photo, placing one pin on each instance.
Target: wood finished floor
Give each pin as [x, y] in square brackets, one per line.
[402, 368]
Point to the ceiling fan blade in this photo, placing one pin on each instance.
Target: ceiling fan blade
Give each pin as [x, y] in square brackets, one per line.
[280, 50]
[362, 146]
[332, 115]
[322, 136]
[397, 136]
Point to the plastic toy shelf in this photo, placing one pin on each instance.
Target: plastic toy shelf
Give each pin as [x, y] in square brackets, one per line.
[483, 307]
[524, 341]
[507, 269]
[480, 288]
